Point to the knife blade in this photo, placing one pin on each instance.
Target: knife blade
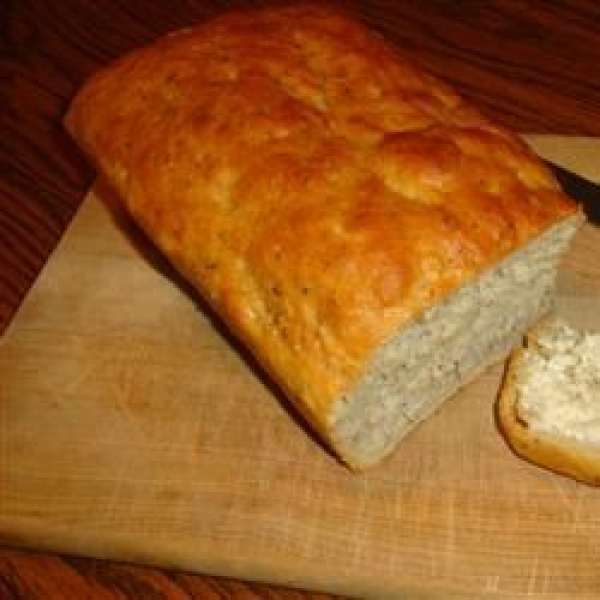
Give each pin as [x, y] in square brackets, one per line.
[583, 191]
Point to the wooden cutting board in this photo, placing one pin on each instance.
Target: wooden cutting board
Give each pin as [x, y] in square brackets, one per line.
[132, 427]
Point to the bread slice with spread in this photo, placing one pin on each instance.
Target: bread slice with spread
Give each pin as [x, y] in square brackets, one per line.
[549, 405]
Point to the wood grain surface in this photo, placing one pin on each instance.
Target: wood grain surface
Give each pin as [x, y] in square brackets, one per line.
[532, 65]
[135, 429]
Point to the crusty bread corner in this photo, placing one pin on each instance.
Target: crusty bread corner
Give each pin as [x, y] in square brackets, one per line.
[557, 453]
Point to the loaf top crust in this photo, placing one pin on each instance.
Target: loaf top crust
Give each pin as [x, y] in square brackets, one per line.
[317, 188]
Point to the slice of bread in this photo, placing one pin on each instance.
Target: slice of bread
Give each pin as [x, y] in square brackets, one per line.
[549, 403]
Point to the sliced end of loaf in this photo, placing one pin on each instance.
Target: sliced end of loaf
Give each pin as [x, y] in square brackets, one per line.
[426, 362]
[560, 453]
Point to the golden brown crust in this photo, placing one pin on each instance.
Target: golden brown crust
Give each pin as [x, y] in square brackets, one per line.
[316, 188]
[557, 454]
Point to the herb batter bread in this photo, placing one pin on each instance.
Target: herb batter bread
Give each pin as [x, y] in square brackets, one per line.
[369, 236]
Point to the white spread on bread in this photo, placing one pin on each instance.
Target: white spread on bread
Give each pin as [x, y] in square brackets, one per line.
[559, 386]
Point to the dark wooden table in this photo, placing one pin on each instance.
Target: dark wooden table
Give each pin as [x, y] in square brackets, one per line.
[535, 66]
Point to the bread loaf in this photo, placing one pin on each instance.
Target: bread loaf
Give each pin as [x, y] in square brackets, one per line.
[370, 237]
[549, 404]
